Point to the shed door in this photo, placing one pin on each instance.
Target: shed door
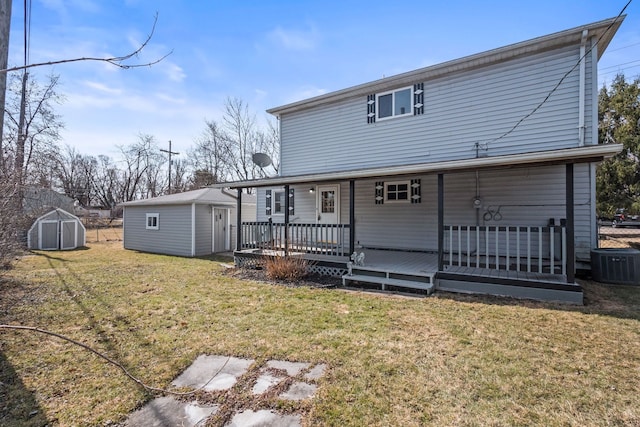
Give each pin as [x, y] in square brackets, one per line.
[68, 234]
[220, 227]
[48, 235]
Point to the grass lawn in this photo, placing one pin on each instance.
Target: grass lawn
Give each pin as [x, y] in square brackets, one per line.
[442, 360]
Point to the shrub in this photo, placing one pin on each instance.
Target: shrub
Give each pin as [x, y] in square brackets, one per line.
[286, 267]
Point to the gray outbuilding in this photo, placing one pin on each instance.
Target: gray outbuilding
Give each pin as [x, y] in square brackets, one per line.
[56, 230]
[193, 223]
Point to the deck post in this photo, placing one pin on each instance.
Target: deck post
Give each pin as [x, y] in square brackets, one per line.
[286, 220]
[239, 220]
[352, 216]
[571, 241]
[440, 221]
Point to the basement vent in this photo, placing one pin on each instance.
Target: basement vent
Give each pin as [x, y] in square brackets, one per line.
[619, 266]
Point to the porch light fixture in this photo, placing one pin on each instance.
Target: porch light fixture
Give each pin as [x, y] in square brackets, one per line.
[312, 190]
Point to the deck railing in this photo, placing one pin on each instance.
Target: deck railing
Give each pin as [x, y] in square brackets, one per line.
[325, 239]
[530, 249]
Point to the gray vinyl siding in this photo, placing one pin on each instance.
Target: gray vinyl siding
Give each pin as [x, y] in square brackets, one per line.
[204, 230]
[460, 110]
[173, 236]
[524, 196]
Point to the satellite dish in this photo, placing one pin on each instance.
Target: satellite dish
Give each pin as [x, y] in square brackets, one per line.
[261, 159]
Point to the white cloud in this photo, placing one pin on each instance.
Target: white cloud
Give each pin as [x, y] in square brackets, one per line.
[305, 93]
[294, 39]
[101, 87]
[171, 99]
[174, 72]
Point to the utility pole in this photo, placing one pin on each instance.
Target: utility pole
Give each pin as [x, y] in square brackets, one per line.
[5, 26]
[170, 153]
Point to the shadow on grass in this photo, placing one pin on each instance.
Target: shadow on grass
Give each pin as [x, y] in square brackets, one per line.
[18, 406]
[110, 346]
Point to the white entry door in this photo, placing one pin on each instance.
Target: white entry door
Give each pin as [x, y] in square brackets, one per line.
[219, 230]
[328, 204]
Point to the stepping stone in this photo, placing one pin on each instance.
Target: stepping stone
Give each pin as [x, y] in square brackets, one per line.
[292, 368]
[213, 373]
[168, 412]
[264, 382]
[299, 391]
[264, 418]
[316, 372]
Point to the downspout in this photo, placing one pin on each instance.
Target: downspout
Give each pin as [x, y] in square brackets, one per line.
[582, 88]
[193, 229]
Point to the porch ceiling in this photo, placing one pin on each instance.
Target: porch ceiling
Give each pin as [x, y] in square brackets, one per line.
[591, 153]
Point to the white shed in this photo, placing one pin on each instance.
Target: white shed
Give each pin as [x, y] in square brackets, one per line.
[193, 223]
[56, 230]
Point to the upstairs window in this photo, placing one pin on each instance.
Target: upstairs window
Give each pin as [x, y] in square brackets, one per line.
[396, 103]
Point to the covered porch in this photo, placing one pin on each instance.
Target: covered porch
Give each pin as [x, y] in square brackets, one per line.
[530, 261]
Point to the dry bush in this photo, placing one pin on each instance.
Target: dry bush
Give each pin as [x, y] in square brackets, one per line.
[11, 225]
[286, 267]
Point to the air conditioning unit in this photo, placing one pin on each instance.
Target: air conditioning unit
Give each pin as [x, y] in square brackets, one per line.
[613, 265]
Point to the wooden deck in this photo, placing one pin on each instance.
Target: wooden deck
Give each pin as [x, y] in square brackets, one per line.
[419, 270]
[400, 262]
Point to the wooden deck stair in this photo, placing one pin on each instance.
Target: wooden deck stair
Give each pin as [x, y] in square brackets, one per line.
[423, 281]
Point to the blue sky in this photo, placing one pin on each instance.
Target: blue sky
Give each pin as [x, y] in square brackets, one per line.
[267, 53]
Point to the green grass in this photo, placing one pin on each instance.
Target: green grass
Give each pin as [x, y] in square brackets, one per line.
[441, 360]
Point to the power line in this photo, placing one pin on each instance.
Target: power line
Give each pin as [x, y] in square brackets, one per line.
[544, 101]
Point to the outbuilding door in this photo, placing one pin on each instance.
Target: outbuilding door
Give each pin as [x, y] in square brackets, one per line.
[220, 227]
[56, 235]
[48, 232]
[68, 234]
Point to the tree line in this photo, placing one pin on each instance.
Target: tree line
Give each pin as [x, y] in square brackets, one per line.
[618, 178]
[141, 170]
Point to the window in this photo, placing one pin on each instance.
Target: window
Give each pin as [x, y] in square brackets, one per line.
[278, 202]
[397, 191]
[395, 103]
[153, 221]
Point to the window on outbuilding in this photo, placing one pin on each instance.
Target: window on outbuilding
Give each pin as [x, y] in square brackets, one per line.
[153, 221]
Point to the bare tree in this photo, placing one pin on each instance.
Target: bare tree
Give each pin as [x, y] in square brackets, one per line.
[211, 153]
[239, 127]
[106, 183]
[74, 173]
[142, 175]
[32, 129]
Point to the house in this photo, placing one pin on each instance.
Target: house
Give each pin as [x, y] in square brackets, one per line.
[475, 175]
[193, 223]
[38, 200]
[56, 230]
